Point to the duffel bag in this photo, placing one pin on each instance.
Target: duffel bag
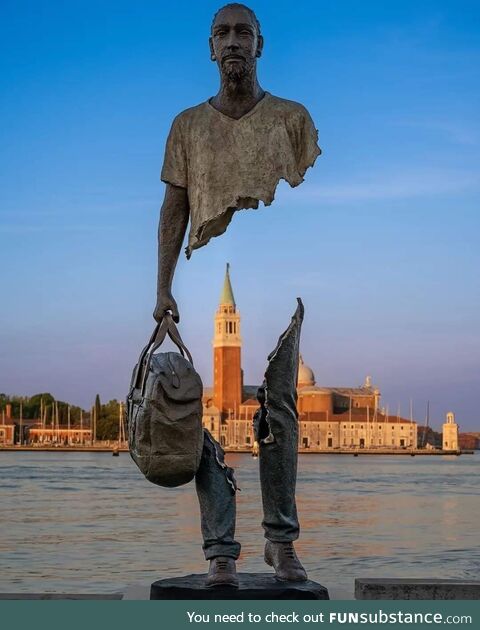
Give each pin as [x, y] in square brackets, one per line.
[164, 411]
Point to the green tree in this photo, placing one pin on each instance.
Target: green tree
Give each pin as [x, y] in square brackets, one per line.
[108, 421]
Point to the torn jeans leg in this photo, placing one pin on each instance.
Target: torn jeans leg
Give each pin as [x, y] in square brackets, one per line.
[276, 430]
[216, 487]
[278, 476]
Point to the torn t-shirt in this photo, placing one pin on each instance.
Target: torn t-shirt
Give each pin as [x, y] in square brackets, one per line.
[227, 164]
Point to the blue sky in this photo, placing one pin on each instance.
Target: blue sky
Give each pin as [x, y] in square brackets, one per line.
[381, 241]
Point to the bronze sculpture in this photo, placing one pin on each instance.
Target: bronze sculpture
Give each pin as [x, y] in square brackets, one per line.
[223, 155]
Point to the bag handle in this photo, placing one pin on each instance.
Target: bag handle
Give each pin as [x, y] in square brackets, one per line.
[174, 335]
[164, 327]
[159, 330]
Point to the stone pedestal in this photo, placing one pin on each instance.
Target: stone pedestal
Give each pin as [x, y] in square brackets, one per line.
[396, 588]
[252, 586]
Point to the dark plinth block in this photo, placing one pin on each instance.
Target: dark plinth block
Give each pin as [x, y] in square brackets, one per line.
[252, 586]
[395, 588]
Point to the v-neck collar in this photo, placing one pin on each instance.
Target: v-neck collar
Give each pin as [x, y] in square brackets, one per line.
[265, 97]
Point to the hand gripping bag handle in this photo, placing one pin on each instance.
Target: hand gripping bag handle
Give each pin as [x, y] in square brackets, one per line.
[164, 327]
[174, 335]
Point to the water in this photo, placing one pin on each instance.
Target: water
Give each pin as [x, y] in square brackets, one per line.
[89, 522]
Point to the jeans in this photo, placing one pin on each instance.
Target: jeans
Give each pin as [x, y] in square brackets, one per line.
[216, 487]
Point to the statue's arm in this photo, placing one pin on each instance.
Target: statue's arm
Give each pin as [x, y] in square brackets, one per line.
[173, 223]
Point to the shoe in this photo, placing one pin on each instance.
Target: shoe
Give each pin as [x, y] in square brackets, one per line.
[222, 572]
[282, 557]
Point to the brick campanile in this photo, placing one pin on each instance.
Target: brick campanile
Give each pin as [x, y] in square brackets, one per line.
[227, 345]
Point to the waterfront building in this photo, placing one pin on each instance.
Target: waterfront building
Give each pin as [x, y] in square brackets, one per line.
[450, 433]
[7, 427]
[61, 435]
[7, 434]
[329, 417]
[469, 441]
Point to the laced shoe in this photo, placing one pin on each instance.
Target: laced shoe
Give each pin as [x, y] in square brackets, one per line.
[222, 572]
[282, 557]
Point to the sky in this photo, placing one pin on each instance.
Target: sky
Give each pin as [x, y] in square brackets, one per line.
[381, 241]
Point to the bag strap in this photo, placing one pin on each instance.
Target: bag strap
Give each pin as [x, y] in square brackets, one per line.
[159, 331]
[164, 327]
[174, 335]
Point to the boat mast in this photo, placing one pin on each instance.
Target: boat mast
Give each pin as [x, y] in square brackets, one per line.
[411, 420]
[94, 425]
[426, 425]
[120, 424]
[21, 424]
[57, 430]
[369, 441]
[53, 423]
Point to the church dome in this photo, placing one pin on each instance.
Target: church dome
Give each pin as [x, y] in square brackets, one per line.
[306, 377]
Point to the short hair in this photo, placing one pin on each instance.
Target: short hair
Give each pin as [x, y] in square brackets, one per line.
[239, 5]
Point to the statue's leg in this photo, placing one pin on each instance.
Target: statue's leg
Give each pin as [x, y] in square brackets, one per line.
[276, 428]
[215, 485]
[278, 474]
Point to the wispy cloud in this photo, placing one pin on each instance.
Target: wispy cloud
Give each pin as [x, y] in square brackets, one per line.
[452, 131]
[390, 186]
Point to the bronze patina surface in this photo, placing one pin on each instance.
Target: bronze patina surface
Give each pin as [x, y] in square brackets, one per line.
[223, 155]
[229, 152]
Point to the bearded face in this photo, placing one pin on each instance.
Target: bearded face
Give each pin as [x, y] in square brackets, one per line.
[235, 42]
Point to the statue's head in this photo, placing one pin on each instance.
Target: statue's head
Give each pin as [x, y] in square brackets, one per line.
[235, 41]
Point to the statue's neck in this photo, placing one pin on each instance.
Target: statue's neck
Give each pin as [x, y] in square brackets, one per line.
[237, 98]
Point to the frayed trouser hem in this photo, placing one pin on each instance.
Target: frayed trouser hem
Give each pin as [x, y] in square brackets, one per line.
[216, 488]
[281, 538]
[230, 550]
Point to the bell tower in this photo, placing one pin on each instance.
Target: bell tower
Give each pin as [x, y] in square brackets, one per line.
[450, 433]
[227, 344]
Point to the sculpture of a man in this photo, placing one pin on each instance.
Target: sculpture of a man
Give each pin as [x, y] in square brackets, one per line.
[223, 155]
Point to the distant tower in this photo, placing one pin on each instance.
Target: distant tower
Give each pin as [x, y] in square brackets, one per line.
[227, 345]
[450, 433]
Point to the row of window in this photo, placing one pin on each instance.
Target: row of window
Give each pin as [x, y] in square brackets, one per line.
[379, 426]
[361, 427]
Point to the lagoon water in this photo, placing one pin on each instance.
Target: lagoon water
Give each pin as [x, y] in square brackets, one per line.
[89, 522]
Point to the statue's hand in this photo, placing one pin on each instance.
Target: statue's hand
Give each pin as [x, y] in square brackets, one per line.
[166, 302]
